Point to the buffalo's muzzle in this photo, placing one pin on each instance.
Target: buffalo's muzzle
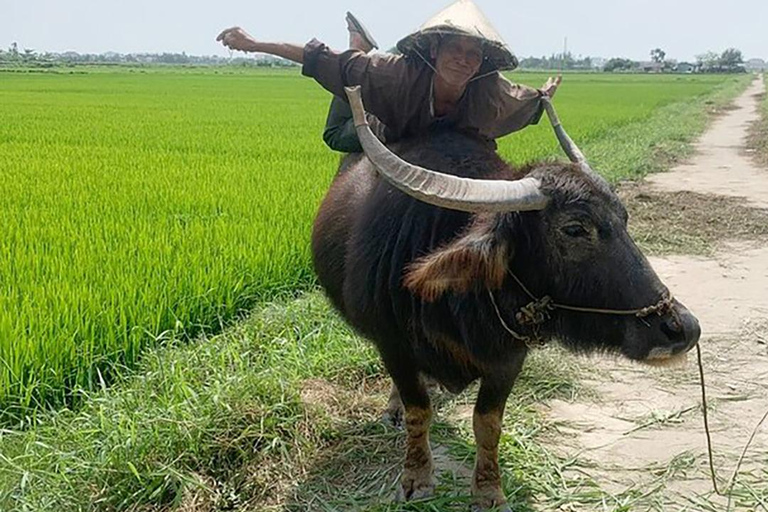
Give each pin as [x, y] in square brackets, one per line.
[682, 330]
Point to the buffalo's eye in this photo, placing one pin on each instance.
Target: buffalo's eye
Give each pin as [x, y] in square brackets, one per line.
[575, 230]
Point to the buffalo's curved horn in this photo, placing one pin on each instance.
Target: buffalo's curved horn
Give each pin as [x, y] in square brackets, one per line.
[574, 153]
[453, 192]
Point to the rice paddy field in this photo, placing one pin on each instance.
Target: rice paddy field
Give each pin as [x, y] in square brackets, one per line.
[138, 206]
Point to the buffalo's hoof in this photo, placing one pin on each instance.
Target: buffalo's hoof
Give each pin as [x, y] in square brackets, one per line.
[492, 500]
[416, 488]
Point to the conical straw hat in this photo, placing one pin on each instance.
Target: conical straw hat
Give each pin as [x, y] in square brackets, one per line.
[461, 18]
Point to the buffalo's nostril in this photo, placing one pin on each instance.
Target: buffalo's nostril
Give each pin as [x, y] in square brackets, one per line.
[682, 328]
[672, 328]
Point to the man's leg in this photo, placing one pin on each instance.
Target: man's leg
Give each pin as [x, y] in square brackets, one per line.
[359, 36]
[339, 133]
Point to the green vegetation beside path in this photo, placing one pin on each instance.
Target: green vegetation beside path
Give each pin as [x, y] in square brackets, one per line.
[631, 127]
[757, 141]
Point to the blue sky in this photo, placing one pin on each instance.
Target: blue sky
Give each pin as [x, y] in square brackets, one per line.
[607, 28]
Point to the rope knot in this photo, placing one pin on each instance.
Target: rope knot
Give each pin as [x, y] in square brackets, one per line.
[662, 307]
[536, 312]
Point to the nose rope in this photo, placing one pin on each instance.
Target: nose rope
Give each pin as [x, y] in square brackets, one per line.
[660, 307]
[538, 311]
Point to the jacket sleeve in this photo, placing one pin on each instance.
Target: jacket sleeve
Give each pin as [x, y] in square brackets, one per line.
[382, 78]
[501, 107]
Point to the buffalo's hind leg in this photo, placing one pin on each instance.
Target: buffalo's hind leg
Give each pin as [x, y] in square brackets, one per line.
[486, 423]
[393, 414]
[417, 480]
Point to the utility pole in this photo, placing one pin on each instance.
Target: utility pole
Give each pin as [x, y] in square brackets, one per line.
[562, 56]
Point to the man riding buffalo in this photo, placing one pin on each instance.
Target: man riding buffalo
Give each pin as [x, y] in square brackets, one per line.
[454, 263]
[448, 76]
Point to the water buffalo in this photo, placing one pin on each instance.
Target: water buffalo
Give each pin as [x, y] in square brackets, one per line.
[456, 271]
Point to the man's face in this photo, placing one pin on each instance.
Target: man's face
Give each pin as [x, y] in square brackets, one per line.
[458, 59]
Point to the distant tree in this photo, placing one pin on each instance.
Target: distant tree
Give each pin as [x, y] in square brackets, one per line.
[13, 52]
[533, 63]
[562, 60]
[557, 61]
[708, 62]
[28, 55]
[731, 61]
[618, 64]
[657, 55]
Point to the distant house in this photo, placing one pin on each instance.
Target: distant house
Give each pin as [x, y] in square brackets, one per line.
[756, 65]
[652, 67]
[685, 67]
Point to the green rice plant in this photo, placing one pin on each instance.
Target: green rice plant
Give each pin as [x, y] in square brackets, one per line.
[135, 206]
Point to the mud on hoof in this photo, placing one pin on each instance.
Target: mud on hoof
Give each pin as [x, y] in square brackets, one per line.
[416, 486]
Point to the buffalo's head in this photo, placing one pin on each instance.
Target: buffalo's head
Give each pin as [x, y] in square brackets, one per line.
[553, 251]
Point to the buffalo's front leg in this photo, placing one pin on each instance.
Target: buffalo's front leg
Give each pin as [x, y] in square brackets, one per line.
[486, 423]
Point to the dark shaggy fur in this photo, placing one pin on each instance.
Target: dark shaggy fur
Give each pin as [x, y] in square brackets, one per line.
[414, 277]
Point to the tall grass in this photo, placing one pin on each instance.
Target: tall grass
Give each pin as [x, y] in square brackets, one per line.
[135, 207]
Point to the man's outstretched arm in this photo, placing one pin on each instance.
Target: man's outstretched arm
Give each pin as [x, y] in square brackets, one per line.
[236, 38]
[387, 80]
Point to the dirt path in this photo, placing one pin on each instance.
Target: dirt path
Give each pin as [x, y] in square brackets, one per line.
[644, 432]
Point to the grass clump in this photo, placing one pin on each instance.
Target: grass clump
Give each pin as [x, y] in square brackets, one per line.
[198, 418]
[280, 412]
[688, 222]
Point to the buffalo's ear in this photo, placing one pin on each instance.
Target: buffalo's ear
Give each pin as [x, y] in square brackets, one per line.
[476, 258]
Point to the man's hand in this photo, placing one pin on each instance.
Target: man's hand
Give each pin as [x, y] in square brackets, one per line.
[550, 88]
[236, 38]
